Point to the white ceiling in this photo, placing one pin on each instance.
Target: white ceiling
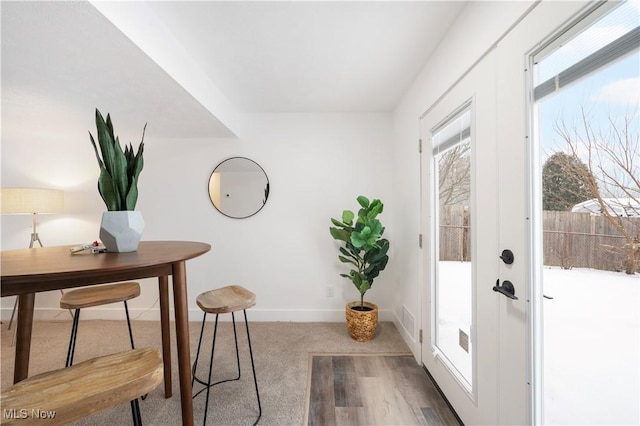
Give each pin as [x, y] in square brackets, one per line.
[281, 56]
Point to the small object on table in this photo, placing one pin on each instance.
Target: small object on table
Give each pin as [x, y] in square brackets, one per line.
[82, 247]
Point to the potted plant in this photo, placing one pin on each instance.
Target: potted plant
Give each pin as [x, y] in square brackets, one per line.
[366, 251]
[121, 226]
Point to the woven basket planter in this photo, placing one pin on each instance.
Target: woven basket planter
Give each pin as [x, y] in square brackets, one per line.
[362, 324]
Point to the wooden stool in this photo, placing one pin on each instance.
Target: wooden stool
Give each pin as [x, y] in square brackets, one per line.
[68, 394]
[222, 301]
[94, 296]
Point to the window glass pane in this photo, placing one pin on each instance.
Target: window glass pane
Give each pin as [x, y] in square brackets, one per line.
[452, 161]
[587, 136]
[616, 23]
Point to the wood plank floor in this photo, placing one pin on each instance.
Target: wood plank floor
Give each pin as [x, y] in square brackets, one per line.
[373, 390]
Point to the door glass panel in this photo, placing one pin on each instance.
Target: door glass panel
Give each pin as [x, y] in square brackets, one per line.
[452, 252]
[589, 164]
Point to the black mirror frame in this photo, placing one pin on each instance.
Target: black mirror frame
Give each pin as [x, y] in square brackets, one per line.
[268, 188]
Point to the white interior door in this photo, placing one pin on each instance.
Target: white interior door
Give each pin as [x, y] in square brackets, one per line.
[475, 336]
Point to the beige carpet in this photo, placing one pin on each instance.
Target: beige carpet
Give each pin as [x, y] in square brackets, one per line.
[281, 351]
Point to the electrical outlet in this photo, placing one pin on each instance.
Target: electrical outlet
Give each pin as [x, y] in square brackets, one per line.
[330, 291]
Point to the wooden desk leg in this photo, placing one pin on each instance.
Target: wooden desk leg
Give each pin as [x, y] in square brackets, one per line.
[23, 342]
[163, 289]
[182, 337]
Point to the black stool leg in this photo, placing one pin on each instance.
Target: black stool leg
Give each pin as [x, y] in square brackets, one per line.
[213, 346]
[126, 311]
[194, 377]
[235, 336]
[133, 346]
[195, 363]
[135, 413]
[208, 384]
[72, 339]
[253, 367]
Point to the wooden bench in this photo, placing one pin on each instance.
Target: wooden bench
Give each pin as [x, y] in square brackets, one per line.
[62, 396]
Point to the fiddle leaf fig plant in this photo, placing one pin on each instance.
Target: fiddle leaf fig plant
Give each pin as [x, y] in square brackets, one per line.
[119, 170]
[363, 246]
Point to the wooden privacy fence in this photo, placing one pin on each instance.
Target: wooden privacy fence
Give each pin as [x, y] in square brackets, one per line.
[580, 240]
[571, 240]
[455, 233]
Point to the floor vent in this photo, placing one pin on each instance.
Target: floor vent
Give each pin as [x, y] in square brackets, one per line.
[408, 321]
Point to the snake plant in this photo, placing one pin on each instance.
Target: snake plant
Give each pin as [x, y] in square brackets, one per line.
[363, 248]
[119, 170]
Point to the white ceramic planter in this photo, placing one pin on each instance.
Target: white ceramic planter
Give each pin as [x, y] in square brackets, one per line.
[120, 231]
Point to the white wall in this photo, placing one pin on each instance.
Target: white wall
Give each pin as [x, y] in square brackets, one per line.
[316, 164]
[478, 27]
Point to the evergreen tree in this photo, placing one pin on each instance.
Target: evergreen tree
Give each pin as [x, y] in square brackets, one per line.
[565, 182]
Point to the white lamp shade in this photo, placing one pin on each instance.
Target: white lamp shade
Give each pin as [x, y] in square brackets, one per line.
[31, 200]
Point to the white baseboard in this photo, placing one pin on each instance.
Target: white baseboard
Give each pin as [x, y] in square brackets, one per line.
[262, 315]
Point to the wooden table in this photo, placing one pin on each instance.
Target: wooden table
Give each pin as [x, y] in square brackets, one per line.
[29, 271]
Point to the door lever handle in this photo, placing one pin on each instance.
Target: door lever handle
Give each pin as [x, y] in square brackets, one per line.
[505, 289]
[547, 297]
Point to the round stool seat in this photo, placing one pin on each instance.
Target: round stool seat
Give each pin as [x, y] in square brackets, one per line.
[87, 297]
[226, 299]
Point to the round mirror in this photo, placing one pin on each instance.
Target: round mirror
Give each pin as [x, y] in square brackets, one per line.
[238, 187]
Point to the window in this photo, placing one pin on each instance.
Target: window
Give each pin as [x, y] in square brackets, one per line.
[586, 94]
[451, 144]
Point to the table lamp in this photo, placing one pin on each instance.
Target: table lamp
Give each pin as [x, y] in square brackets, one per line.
[32, 201]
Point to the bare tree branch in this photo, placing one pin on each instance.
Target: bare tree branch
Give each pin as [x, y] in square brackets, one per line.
[454, 175]
[612, 159]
